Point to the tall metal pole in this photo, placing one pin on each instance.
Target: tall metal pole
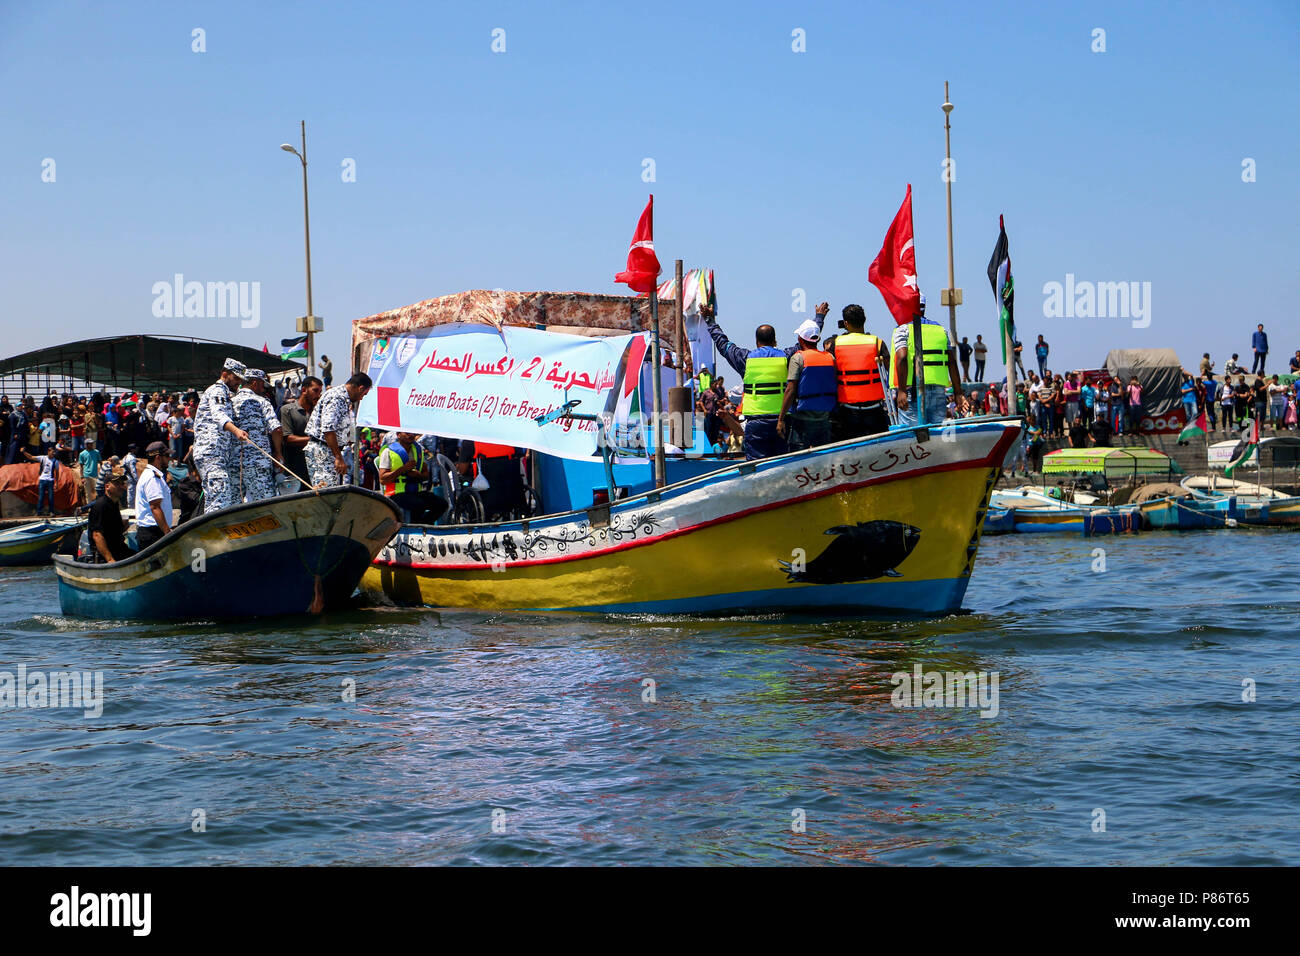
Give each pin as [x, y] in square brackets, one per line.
[306, 226]
[948, 175]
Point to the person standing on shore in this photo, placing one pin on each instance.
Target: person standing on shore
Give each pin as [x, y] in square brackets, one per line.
[964, 350]
[1259, 342]
[1040, 352]
[1211, 389]
[1135, 405]
[982, 353]
[326, 370]
[88, 461]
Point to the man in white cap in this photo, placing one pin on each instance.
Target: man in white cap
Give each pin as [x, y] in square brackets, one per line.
[215, 435]
[254, 414]
[810, 389]
[765, 369]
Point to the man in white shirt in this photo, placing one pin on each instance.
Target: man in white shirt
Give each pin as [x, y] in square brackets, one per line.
[153, 499]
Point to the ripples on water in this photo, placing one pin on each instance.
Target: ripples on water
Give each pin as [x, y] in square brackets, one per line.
[1118, 690]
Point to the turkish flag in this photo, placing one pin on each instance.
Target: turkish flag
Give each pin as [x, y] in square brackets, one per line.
[642, 263]
[894, 271]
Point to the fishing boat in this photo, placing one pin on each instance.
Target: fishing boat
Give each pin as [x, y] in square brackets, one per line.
[884, 524]
[1189, 513]
[297, 554]
[1034, 511]
[36, 542]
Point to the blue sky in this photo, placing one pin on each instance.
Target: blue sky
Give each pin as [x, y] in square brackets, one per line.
[523, 169]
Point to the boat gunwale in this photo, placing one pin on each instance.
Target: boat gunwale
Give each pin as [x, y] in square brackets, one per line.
[199, 520]
[678, 488]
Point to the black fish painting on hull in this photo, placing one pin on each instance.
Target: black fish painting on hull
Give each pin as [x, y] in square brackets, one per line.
[860, 552]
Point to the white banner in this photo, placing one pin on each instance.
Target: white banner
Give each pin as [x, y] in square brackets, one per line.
[474, 382]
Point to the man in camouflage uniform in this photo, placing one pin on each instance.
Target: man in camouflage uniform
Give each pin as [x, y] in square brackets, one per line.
[215, 438]
[254, 414]
[330, 430]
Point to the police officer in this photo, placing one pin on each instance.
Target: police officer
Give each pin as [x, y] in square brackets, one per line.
[859, 391]
[215, 435]
[329, 431]
[765, 370]
[254, 414]
[939, 371]
[810, 388]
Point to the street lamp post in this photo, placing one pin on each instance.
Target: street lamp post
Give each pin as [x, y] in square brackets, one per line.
[310, 321]
[951, 295]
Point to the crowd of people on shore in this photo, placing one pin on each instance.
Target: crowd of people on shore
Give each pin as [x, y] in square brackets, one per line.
[106, 434]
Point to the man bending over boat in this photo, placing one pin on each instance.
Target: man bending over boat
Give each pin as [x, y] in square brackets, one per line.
[254, 414]
[215, 435]
[765, 369]
[330, 430]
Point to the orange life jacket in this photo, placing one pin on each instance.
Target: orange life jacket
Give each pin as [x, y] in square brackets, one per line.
[856, 369]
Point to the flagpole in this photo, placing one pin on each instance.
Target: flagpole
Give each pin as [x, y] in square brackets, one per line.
[951, 293]
[657, 389]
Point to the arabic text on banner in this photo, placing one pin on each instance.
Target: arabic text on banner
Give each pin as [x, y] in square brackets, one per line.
[473, 382]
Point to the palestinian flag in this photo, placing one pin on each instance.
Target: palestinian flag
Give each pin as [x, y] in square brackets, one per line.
[1195, 429]
[1003, 288]
[293, 348]
[1248, 446]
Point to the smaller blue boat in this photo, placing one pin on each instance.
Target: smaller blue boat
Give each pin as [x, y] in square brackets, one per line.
[1189, 513]
[36, 542]
[297, 554]
[1127, 520]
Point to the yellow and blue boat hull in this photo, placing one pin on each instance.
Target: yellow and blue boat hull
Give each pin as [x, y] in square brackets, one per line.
[887, 524]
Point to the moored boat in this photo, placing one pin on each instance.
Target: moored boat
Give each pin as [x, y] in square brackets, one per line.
[36, 542]
[301, 553]
[884, 524]
[1120, 520]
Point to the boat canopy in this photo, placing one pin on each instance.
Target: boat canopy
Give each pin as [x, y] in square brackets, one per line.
[1111, 462]
[139, 362]
[576, 313]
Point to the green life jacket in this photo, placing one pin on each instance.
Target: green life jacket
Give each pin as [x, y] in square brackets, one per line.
[764, 384]
[934, 356]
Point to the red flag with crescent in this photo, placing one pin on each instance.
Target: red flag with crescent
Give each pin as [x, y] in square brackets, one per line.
[894, 270]
[642, 263]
